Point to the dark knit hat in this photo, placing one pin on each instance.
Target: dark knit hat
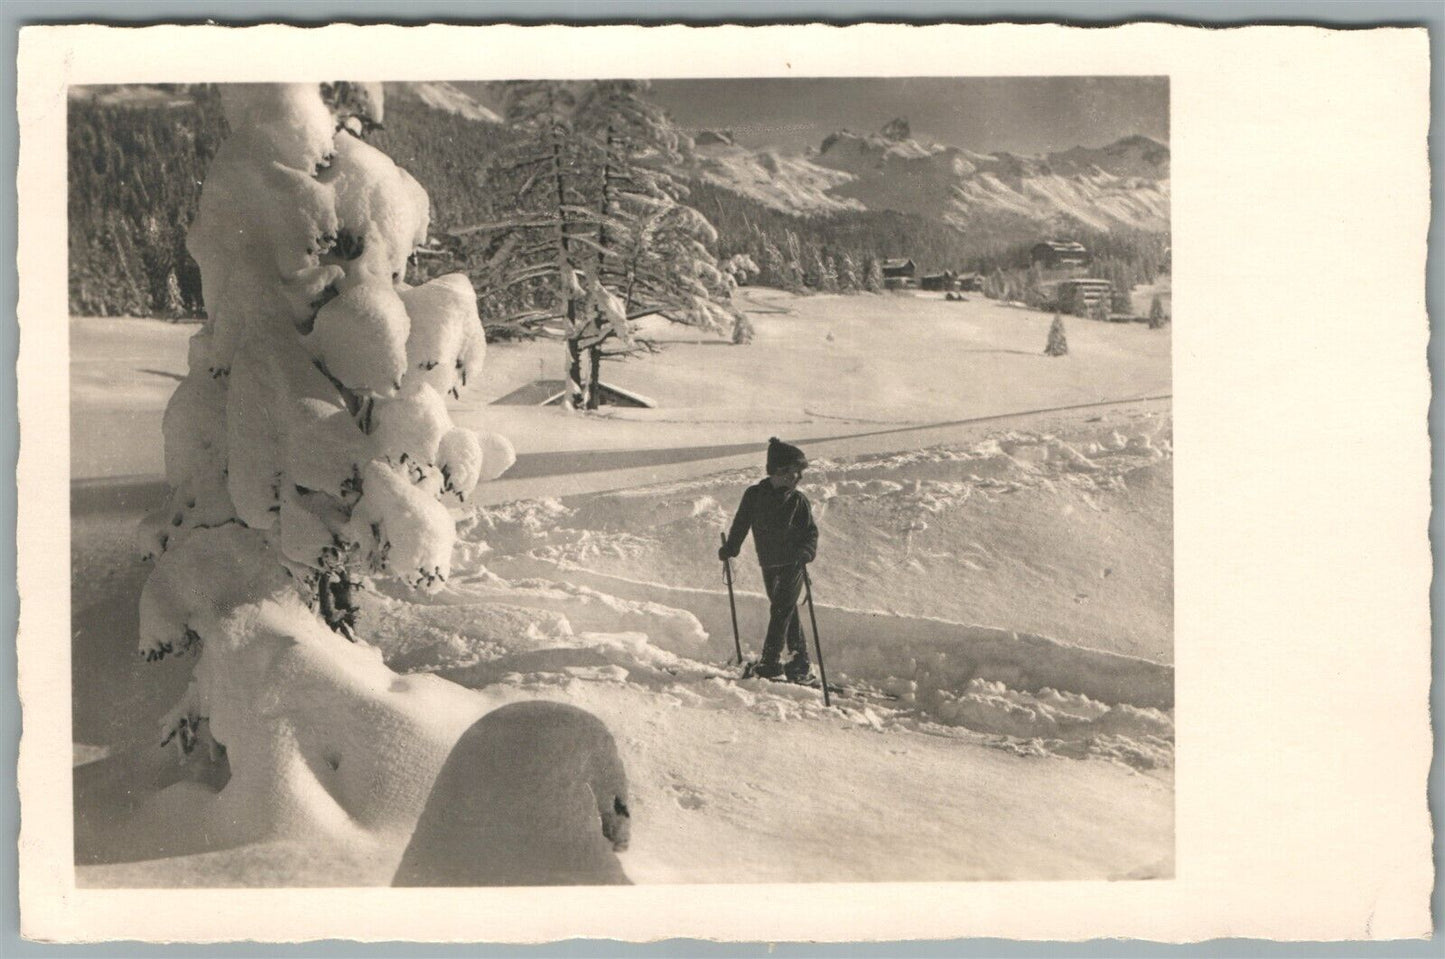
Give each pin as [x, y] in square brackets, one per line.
[782, 454]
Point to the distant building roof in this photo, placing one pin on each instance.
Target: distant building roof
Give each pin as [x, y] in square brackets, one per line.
[904, 265]
[551, 392]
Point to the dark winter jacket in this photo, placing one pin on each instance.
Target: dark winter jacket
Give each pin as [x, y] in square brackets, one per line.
[781, 522]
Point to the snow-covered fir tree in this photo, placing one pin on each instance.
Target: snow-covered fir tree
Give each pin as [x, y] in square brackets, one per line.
[655, 253]
[772, 268]
[847, 273]
[309, 447]
[1058, 344]
[546, 178]
[596, 224]
[872, 275]
[740, 268]
[1156, 313]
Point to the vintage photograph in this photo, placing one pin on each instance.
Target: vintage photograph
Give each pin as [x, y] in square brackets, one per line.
[576, 482]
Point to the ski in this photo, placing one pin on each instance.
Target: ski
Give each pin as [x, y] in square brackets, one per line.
[749, 671]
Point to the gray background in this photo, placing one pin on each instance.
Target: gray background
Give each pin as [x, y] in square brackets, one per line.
[17, 13]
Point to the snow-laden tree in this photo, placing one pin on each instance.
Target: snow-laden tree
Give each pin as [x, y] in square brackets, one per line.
[309, 446]
[846, 272]
[1058, 344]
[772, 268]
[741, 268]
[596, 224]
[654, 252]
[545, 234]
[872, 275]
[1156, 313]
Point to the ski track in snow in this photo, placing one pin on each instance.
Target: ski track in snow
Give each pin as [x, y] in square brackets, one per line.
[571, 578]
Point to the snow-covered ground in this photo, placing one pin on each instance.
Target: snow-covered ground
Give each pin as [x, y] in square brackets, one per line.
[995, 583]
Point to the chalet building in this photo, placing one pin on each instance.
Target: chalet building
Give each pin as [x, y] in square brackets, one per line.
[1059, 254]
[947, 280]
[1082, 296]
[969, 283]
[900, 274]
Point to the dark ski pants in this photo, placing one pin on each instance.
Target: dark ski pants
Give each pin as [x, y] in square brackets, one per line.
[784, 585]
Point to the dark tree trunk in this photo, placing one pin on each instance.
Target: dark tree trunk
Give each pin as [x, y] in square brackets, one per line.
[576, 390]
[594, 379]
[334, 590]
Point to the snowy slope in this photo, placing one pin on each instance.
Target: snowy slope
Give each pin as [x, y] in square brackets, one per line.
[1123, 184]
[440, 95]
[789, 183]
[999, 595]
[1016, 748]
[1027, 530]
[1111, 187]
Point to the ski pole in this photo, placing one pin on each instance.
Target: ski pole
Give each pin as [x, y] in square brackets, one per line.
[732, 604]
[817, 640]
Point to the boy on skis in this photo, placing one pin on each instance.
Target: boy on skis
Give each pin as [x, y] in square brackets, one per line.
[786, 538]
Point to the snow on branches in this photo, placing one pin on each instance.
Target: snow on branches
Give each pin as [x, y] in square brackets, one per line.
[591, 228]
[310, 444]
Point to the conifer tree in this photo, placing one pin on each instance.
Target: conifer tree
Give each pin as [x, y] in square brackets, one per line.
[1121, 288]
[309, 446]
[1058, 344]
[873, 275]
[541, 243]
[1034, 294]
[846, 272]
[598, 228]
[1156, 313]
[772, 270]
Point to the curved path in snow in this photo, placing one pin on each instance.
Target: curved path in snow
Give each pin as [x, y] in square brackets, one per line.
[574, 472]
[530, 465]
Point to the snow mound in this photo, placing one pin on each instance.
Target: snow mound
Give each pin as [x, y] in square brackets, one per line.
[533, 794]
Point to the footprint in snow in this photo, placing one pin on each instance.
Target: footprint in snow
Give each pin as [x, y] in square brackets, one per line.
[687, 797]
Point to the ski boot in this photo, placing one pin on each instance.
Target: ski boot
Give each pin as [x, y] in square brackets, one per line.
[802, 675]
[763, 671]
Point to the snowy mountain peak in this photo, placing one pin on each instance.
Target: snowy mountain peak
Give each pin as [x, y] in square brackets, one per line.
[1131, 156]
[1009, 195]
[440, 95]
[708, 138]
[897, 129]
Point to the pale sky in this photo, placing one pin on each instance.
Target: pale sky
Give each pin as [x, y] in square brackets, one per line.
[986, 114]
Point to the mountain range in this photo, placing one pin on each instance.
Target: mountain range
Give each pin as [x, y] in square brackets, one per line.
[138, 153]
[1122, 184]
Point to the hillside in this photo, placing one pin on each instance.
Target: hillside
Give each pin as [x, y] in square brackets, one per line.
[818, 222]
[138, 154]
[792, 185]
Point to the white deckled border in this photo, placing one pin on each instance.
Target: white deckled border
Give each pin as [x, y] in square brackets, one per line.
[1300, 208]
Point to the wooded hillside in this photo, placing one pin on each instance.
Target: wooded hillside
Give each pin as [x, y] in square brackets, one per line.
[135, 174]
